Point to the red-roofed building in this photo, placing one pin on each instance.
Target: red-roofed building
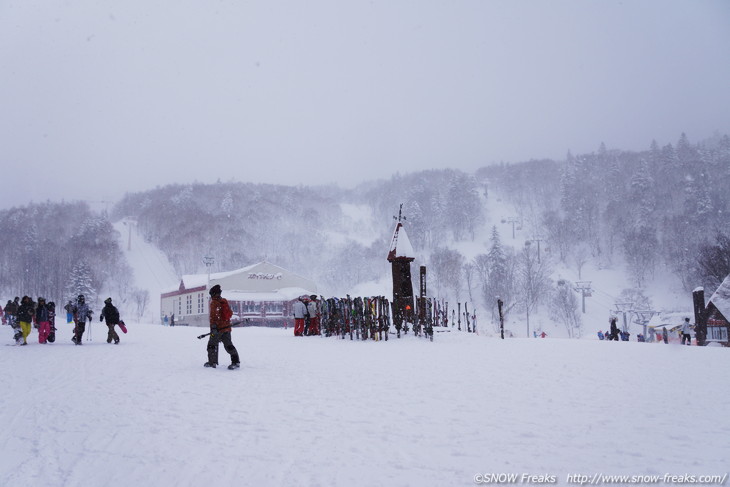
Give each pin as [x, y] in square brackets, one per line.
[263, 293]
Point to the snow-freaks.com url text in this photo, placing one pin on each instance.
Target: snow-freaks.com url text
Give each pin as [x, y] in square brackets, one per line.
[599, 479]
[602, 479]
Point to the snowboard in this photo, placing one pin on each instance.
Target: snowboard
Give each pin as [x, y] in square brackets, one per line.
[122, 326]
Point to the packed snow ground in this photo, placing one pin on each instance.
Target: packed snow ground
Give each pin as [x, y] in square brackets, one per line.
[315, 411]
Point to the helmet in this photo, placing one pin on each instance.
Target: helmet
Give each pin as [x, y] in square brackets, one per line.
[108, 301]
[81, 298]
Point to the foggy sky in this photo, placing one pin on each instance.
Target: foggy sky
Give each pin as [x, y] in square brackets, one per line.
[99, 97]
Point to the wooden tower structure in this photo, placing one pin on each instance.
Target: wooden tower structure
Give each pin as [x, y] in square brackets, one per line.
[400, 256]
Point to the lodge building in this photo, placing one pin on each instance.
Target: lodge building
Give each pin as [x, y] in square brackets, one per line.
[262, 293]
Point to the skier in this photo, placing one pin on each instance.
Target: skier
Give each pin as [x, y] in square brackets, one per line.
[110, 313]
[25, 317]
[220, 329]
[81, 313]
[43, 320]
[299, 310]
[686, 332]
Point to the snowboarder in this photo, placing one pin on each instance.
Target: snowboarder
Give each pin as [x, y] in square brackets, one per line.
[686, 332]
[81, 313]
[299, 310]
[110, 313]
[43, 320]
[25, 317]
[11, 316]
[220, 329]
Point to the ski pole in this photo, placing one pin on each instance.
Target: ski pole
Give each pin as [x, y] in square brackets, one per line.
[236, 324]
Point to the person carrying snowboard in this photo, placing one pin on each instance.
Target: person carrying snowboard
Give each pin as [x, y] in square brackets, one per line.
[11, 315]
[110, 313]
[81, 312]
[43, 320]
[220, 329]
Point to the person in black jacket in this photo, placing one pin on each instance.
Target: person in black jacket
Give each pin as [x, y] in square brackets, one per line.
[43, 320]
[110, 313]
[25, 317]
[11, 316]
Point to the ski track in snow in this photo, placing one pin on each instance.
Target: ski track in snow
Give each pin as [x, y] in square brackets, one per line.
[319, 411]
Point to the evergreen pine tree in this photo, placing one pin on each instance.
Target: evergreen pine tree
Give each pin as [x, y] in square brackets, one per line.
[81, 282]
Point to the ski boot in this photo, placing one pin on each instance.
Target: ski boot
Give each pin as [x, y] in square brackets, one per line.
[209, 365]
[234, 365]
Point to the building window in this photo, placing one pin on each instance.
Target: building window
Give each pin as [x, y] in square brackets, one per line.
[201, 303]
[189, 304]
[274, 307]
[718, 333]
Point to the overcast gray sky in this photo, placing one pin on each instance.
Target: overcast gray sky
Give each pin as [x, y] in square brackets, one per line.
[99, 97]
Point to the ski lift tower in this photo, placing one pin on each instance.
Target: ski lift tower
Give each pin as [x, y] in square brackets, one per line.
[208, 260]
[400, 256]
[643, 318]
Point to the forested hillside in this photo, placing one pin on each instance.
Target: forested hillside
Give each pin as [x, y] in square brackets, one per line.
[666, 207]
[59, 250]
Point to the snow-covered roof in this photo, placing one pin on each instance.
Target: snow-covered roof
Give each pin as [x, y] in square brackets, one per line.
[400, 245]
[256, 280]
[197, 280]
[284, 294]
[721, 298]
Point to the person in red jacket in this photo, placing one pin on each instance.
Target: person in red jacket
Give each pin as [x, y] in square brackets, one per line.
[220, 329]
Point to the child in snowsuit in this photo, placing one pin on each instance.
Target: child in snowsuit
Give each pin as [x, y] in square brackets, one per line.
[220, 329]
[111, 315]
[43, 320]
[81, 312]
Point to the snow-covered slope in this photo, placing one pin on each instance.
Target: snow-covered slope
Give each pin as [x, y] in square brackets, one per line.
[315, 411]
[152, 271]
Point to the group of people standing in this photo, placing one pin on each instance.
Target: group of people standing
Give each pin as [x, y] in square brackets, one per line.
[24, 314]
[614, 334]
[306, 316]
